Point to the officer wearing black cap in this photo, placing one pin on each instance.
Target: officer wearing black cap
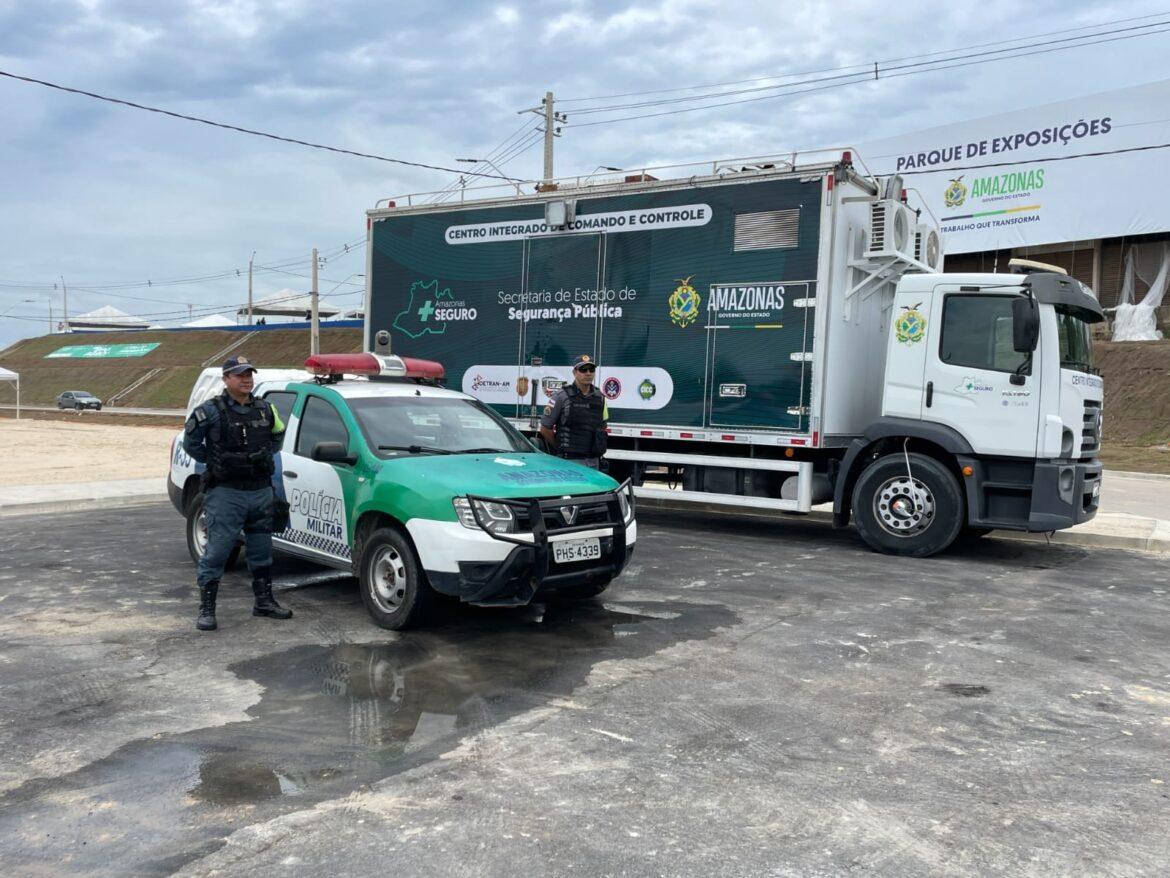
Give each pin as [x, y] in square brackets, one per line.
[235, 435]
[573, 425]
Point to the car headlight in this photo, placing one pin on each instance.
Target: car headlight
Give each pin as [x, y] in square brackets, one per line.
[496, 517]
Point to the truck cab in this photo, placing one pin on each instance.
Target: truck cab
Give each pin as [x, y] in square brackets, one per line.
[991, 375]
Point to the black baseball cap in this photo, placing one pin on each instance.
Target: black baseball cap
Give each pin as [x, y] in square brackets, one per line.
[583, 360]
[237, 366]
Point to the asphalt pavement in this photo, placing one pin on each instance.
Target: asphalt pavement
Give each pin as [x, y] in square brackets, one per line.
[748, 699]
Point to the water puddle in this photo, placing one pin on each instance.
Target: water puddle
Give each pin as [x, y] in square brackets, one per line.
[332, 719]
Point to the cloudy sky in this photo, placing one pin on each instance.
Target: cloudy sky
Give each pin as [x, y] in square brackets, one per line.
[109, 197]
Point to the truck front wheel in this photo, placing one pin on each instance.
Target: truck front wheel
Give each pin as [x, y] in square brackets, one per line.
[914, 510]
[394, 588]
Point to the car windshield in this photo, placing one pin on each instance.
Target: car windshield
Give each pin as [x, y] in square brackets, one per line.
[1076, 341]
[404, 425]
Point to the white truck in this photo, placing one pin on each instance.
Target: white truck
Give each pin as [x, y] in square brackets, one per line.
[774, 333]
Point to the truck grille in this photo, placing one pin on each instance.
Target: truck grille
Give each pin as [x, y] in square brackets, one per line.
[1091, 431]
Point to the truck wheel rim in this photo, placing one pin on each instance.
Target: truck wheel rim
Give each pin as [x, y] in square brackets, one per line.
[904, 507]
[388, 579]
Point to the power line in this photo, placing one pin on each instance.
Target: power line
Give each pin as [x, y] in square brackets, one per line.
[868, 66]
[877, 70]
[237, 128]
[859, 78]
[105, 289]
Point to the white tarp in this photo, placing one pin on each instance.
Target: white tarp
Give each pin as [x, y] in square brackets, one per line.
[1137, 321]
[1069, 171]
[9, 375]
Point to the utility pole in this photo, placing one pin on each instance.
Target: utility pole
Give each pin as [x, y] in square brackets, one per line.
[253, 256]
[551, 117]
[548, 137]
[315, 330]
[64, 305]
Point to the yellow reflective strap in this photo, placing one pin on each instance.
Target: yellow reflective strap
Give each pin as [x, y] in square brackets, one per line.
[278, 426]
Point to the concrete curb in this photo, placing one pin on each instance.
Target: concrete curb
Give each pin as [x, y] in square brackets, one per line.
[1157, 542]
[78, 504]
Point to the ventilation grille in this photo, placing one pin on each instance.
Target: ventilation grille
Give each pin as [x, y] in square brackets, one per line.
[767, 230]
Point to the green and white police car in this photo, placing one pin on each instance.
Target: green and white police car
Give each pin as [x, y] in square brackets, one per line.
[417, 489]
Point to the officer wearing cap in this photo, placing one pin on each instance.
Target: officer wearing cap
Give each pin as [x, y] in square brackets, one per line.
[236, 435]
[573, 425]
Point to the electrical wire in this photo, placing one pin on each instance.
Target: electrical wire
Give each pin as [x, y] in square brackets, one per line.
[237, 128]
[877, 71]
[868, 66]
[860, 78]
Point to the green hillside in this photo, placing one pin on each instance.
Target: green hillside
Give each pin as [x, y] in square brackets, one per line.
[178, 358]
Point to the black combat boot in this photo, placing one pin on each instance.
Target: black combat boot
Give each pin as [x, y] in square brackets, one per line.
[266, 604]
[206, 620]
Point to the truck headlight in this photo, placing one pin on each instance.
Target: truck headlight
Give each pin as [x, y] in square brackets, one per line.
[496, 517]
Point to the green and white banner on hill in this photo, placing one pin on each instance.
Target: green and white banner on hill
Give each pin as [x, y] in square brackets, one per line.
[103, 351]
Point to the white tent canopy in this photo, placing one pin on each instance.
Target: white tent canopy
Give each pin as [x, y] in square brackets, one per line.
[107, 317]
[9, 375]
[288, 303]
[211, 320]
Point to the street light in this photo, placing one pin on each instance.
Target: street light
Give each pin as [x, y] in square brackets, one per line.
[492, 165]
[17, 305]
[600, 168]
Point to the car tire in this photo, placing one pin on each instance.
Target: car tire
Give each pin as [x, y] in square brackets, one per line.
[197, 535]
[899, 515]
[393, 585]
[578, 592]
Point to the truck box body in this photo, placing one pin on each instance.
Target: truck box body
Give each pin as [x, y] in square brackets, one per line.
[698, 300]
[769, 335]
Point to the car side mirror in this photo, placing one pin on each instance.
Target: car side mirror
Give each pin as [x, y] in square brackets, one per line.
[1025, 325]
[333, 452]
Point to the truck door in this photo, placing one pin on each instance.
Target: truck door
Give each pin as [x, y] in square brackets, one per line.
[759, 344]
[974, 381]
[562, 273]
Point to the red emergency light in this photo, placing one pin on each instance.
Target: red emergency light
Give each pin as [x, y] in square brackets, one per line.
[374, 365]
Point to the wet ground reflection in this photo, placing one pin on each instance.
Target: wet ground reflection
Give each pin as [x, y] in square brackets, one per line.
[332, 719]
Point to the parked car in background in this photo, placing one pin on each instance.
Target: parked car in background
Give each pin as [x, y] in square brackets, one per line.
[78, 399]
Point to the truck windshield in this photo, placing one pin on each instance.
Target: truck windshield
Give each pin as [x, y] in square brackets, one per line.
[1076, 342]
[405, 425]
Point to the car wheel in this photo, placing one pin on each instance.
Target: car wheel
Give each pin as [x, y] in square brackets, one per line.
[916, 513]
[394, 588]
[197, 534]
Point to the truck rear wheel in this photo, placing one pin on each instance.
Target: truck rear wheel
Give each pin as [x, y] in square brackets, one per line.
[197, 534]
[394, 588]
[915, 513]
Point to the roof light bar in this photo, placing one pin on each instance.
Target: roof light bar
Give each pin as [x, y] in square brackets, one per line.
[374, 365]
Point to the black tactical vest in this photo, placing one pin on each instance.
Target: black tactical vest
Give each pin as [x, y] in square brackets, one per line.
[581, 432]
[239, 446]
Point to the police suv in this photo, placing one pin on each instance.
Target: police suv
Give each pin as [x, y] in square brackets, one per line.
[417, 489]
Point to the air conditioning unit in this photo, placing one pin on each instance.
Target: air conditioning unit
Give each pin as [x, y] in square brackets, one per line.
[928, 247]
[891, 230]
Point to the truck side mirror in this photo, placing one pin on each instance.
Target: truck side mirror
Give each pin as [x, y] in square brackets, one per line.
[333, 452]
[1025, 325]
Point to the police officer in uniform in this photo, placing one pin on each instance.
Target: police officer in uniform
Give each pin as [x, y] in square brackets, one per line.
[573, 426]
[236, 436]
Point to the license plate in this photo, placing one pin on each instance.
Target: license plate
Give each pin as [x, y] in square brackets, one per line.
[567, 551]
